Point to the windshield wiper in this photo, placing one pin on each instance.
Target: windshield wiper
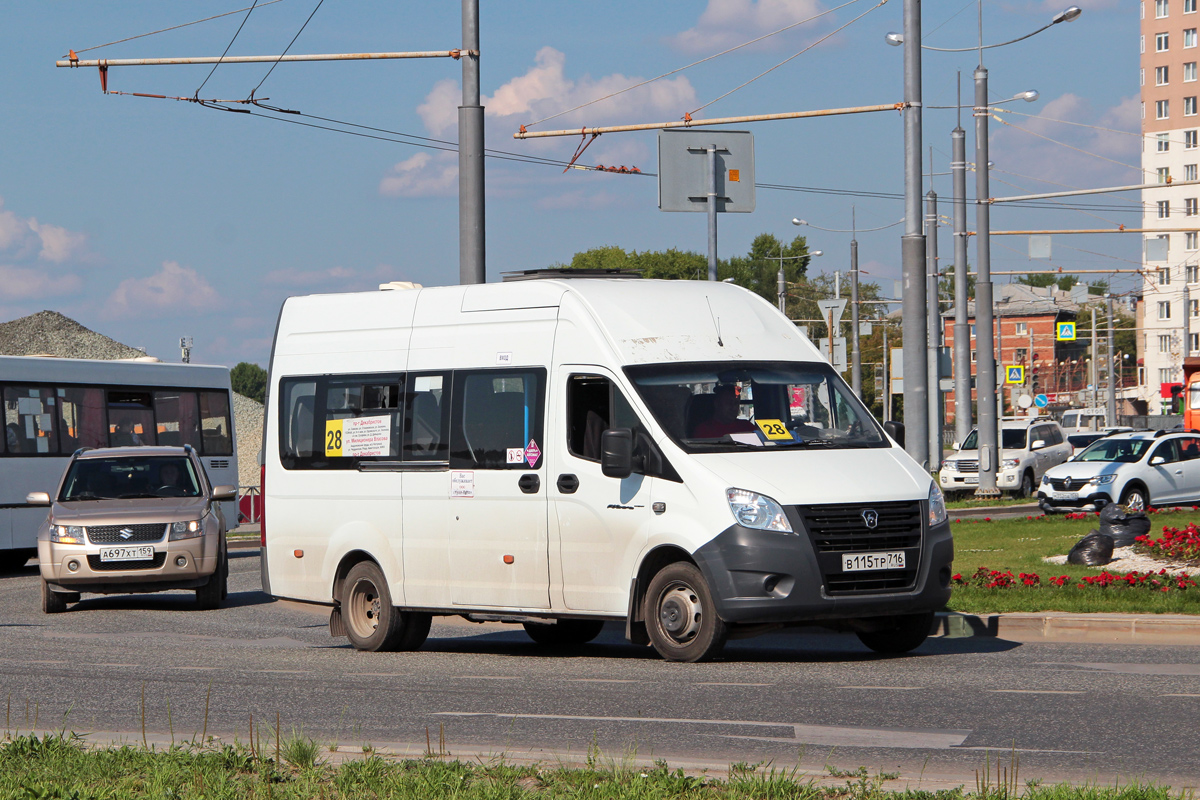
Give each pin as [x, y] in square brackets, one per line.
[136, 496]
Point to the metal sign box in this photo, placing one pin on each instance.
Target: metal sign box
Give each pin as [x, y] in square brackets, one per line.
[683, 170]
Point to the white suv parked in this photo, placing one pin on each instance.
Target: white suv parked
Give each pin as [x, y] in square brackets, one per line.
[1136, 469]
[1028, 449]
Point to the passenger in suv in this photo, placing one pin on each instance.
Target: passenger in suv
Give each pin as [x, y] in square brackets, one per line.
[1028, 449]
[131, 520]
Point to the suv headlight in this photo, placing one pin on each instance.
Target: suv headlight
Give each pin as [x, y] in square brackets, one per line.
[757, 511]
[937, 506]
[67, 534]
[1010, 463]
[186, 530]
[1100, 480]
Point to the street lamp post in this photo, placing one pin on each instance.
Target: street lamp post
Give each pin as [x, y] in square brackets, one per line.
[912, 249]
[934, 321]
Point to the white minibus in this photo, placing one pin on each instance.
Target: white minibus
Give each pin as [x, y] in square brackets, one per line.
[54, 406]
[564, 452]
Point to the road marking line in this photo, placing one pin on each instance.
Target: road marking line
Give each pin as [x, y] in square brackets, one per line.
[1179, 695]
[381, 674]
[282, 671]
[1031, 691]
[846, 736]
[600, 680]
[713, 683]
[490, 677]
[886, 688]
[199, 668]
[118, 665]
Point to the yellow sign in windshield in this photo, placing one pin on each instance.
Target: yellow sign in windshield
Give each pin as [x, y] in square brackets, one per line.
[774, 429]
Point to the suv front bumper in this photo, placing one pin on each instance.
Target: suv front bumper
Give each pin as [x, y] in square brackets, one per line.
[1090, 502]
[78, 568]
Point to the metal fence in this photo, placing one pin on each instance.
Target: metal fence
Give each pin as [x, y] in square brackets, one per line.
[250, 504]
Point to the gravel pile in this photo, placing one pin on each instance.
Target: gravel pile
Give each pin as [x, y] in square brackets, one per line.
[248, 422]
[50, 333]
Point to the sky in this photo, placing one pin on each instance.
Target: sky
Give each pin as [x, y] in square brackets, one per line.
[149, 219]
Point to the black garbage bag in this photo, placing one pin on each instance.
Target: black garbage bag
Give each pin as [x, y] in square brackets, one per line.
[1093, 550]
[1123, 524]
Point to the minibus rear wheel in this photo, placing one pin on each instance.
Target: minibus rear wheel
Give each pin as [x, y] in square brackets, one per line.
[565, 632]
[372, 622]
[898, 635]
[681, 617]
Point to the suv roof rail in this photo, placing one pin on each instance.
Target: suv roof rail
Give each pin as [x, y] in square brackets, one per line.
[81, 450]
[187, 448]
[1164, 432]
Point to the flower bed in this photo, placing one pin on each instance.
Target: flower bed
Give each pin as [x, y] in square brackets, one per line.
[1160, 581]
[1174, 544]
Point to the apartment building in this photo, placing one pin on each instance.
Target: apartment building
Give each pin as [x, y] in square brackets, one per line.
[1170, 314]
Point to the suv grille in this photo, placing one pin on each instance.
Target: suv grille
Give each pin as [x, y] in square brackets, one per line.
[111, 534]
[97, 565]
[962, 465]
[838, 529]
[1072, 485]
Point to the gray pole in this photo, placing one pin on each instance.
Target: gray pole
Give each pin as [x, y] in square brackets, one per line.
[782, 290]
[887, 375]
[712, 213]
[1110, 408]
[912, 248]
[962, 331]
[1095, 371]
[471, 264]
[985, 360]
[933, 323]
[855, 354]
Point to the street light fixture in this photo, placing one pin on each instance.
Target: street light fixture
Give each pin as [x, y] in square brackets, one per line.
[782, 279]
[1069, 14]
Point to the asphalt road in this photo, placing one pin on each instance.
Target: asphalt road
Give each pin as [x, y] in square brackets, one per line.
[1094, 712]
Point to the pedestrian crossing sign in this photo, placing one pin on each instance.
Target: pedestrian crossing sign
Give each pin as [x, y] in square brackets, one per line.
[1066, 331]
[1014, 374]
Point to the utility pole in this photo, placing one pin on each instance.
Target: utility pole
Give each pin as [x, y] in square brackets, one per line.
[962, 332]
[1110, 408]
[1095, 365]
[887, 376]
[712, 213]
[912, 248]
[985, 364]
[932, 324]
[471, 258]
[855, 353]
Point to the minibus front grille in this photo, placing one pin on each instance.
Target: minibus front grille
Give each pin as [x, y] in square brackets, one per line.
[837, 529]
[111, 534]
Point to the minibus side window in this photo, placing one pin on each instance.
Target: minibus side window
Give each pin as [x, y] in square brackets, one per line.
[496, 419]
[427, 418]
[361, 420]
[594, 405]
[82, 418]
[296, 423]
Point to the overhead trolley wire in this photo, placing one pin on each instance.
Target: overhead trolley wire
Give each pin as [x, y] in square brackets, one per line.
[249, 11]
[694, 63]
[173, 27]
[285, 50]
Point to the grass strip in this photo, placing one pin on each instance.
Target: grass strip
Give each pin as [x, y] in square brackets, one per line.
[1020, 544]
[60, 767]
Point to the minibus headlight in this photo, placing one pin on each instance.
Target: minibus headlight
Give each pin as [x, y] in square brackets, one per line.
[186, 530]
[937, 505]
[66, 534]
[757, 511]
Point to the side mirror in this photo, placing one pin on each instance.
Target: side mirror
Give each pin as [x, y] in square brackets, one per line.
[1157, 460]
[1038, 444]
[895, 430]
[956, 445]
[616, 453]
[38, 499]
[224, 492]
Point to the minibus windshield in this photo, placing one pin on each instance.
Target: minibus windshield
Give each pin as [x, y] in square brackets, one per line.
[726, 406]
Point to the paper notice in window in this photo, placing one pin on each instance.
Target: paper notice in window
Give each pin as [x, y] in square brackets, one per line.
[358, 437]
[462, 484]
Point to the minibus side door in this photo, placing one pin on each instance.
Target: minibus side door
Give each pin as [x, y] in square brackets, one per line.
[498, 550]
[602, 522]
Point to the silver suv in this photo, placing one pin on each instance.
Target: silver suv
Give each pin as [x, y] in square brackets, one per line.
[1028, 449]
[133, 519]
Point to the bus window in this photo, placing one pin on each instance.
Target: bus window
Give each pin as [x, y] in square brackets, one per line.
[296, 417]
[214, 424]
[130, 418]
[81, 422]
[29, 420]
[178, 418]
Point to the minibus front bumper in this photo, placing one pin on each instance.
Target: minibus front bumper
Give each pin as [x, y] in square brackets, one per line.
[761, 576]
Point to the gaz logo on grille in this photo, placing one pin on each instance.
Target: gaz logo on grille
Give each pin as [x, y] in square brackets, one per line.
[870, 518]
[126, 533]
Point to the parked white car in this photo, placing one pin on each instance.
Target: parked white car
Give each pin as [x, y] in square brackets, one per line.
[1028, 449]
[1137, 469]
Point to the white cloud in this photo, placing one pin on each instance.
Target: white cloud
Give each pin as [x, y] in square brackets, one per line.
[439, 112]
[423, 175]
[726, 23]
[1076, 163]
[174, 289]
[58, 244]
[30, 282]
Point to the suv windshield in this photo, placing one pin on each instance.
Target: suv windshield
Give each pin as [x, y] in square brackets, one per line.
[128, 477]
[732, 405]
[1013, 439]
[1127, 450]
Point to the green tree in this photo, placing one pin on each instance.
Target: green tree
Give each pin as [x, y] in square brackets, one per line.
[249, 380]
[946, 284]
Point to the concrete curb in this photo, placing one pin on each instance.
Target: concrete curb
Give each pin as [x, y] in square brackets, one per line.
[1099, 628]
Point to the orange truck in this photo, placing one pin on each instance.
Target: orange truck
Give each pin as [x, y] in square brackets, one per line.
[1191, 393]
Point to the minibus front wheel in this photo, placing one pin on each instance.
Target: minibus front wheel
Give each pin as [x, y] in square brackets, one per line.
[372, 622]
[681, 617]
